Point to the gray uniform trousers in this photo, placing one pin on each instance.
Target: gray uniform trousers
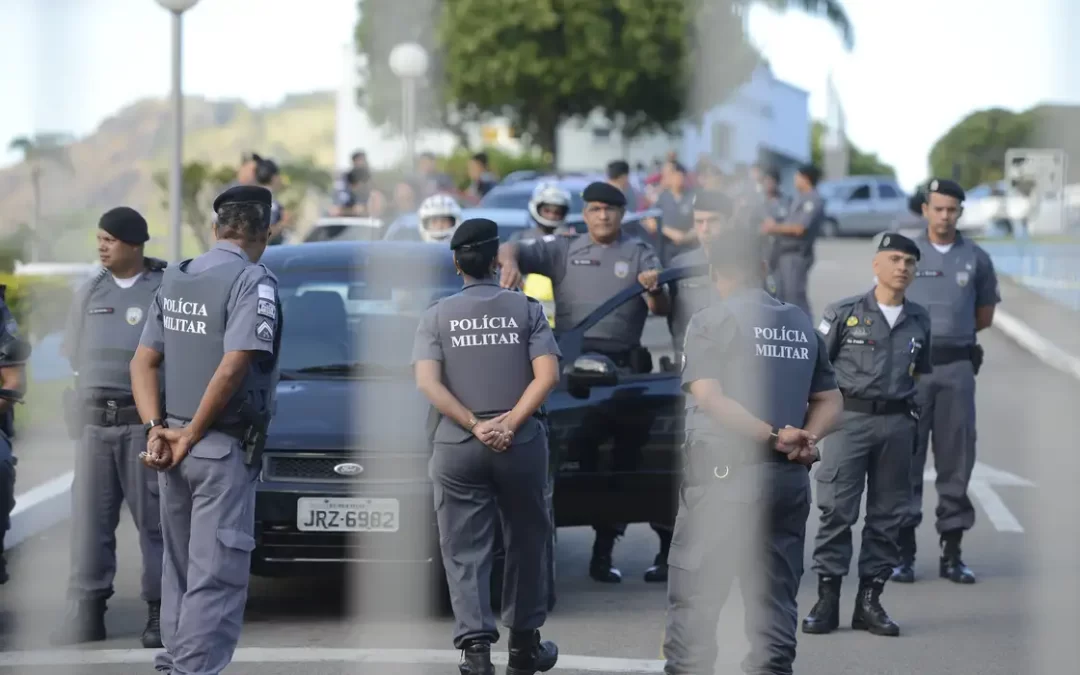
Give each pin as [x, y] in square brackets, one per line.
[475, 488]
[108, 472]
[946, 399]
[208, 520]
[871, 450]
[792, 277]
[751, 525]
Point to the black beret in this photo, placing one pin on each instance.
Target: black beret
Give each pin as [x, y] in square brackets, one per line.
[605, 193]
[126, 224]
[474, 232]
[811, 172]
[772, 172]
[944, 186]
[712, 200]
[244, 194]
[898, 242]
[265, 170]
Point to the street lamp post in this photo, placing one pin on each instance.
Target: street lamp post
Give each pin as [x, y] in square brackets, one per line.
[409, 62]
[176, 233]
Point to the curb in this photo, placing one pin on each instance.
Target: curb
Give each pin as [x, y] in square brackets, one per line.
[40, 508]
[1043, 349]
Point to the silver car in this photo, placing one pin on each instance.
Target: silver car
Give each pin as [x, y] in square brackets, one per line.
[862, 205]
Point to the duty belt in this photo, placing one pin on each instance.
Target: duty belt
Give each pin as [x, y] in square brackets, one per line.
[111, 414]
[877, 407]
[940, 356]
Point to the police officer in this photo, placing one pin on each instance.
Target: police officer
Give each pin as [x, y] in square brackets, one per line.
[794, 237]
[215, 323]
[957, 283]
[879, 344]
[487, 360]
[103, 330]
[712, 213]
[585, 271]
[14, 352]
[762, 392]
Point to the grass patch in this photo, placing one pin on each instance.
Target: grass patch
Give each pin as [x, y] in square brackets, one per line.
[1038, 240]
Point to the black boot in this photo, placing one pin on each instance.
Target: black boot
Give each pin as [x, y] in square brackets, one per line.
[528, 654]
[600, 567]
[869, 614]
[476, 659]
[84, 622]
[3, 560]
[952, 567]
[658, 572]
[824, 616]
[904, 573]
[151, 635]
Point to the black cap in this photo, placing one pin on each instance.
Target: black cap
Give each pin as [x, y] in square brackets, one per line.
[712, 200]
[898, 242]
[474, 232]
[811, 172]
[265, 170]
[605, 193]
[126, 224]
[772, 172]
[244, 194]
[944, 186]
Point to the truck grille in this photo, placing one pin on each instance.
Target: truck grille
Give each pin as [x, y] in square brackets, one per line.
[319, 468]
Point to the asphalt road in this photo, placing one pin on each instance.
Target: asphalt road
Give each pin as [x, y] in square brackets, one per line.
[992, 628]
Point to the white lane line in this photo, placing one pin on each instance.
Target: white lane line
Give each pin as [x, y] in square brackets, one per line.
[1043, 349]
[984, 478]
[40, 508]
[598, 664]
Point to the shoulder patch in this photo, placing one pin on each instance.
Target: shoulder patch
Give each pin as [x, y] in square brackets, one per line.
[808, 207]
[830, 314]
[264, 331]
[548, 238]
[824, 327]
[266, 292]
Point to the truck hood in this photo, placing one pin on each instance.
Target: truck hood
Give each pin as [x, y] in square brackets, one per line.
[349, 414]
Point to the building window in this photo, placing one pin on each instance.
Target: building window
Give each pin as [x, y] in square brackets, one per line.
[601, 133]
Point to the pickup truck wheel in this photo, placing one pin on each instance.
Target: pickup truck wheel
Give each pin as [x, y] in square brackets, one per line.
[830, 228]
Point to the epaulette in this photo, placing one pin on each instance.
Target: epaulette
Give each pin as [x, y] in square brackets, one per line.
[154, 264]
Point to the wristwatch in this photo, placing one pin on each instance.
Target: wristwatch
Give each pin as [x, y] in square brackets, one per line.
[472, 423]
[774, 436]
[153, 423]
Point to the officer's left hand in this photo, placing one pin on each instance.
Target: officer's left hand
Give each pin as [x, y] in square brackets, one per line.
[768, 225]
[648, 279]
[179, 442]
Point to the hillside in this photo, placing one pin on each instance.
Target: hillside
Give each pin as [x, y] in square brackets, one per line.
[115, 164]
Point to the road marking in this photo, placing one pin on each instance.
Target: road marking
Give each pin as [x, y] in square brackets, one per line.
[89, 657]
[1043, 349]
[40, 508]
[984, 478]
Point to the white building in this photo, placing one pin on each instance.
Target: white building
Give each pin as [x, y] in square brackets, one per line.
[765, 120]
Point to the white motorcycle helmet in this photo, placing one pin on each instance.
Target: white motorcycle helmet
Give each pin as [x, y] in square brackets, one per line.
[552, 195]
[441, 207]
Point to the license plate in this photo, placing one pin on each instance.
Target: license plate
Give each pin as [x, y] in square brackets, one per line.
[346, 514]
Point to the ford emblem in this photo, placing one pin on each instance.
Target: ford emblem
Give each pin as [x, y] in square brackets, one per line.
[348, 469]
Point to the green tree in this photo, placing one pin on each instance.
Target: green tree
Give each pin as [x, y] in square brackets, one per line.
[199, 184]
[973, 151]
[859, 163]
[541, 62]
[40, 151]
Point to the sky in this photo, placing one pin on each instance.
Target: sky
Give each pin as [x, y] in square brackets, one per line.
[916, 69]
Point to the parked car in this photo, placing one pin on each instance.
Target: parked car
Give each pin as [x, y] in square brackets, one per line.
[349, 228]
[512, 220]
[862, 205]
[345, 472]
[516, 194]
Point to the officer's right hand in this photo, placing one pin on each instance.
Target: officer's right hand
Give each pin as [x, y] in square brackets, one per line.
[157, 455]
[510, 274]
[791, 440]
[494, 433]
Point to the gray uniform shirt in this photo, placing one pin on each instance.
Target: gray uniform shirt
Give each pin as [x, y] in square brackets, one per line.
[807, 210]
[252, 320]
[689, 295]
[951, 286]
[873, 361]
[486, 339]
[103, 329]
[765, 354]
[584, 274]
